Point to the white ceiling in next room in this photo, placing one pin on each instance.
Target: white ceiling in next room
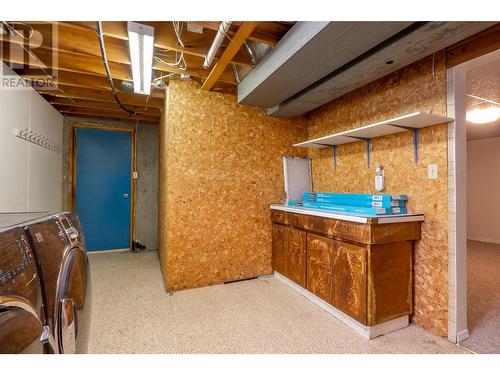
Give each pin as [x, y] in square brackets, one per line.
[483, 99]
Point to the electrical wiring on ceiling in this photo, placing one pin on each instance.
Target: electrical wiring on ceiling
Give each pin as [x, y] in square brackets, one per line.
[180, 62]
[178, 27]
[106, 67]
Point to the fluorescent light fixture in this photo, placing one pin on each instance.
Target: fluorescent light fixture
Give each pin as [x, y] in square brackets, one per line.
[483, 115]
[140, 42]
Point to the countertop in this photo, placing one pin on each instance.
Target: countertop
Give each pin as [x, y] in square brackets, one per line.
[381, 219]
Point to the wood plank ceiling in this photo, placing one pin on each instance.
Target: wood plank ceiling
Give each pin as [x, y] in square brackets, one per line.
[82, 88]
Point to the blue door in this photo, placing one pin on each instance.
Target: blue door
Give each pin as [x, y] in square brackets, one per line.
[103, 187]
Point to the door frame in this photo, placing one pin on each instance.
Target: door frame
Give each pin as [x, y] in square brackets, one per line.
[457, 195]
[72, 167]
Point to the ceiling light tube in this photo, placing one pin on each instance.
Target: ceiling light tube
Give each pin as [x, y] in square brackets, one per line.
[140, 41]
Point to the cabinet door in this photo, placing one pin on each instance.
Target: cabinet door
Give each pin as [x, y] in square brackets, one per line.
[296, 256]
[389, 281]
[319, 253]
[279, 249]
[348, 291]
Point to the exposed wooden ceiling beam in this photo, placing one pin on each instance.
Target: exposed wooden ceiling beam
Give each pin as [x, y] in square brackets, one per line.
[86, 81]
[267, 32]
[97, 105]
[71, 111]
[104, 96]
[64, 38]
[89, 64]
[86, 64]
[194, 44]
[237, 41]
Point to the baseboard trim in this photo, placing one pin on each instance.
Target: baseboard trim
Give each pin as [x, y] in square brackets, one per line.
[463, 335]
[483, 239]
[108, 251]
[366, 331]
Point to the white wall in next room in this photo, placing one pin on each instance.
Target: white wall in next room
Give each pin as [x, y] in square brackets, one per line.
[483, 190]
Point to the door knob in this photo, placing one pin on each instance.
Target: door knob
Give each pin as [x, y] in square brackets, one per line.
[125, 196]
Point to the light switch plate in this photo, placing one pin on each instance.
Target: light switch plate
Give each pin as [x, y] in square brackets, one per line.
[432, 171]
[135, 175]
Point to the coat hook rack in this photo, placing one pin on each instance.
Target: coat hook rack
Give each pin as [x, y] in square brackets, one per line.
[37, 139]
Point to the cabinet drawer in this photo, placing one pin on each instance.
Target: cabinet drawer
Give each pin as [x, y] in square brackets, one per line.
[289, 218]
[340, 229]
[278, 217]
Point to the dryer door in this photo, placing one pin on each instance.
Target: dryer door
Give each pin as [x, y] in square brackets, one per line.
[20, 328]
[73, 316]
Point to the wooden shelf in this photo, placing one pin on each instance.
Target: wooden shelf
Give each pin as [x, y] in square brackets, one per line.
[400, 124]
[411, 122]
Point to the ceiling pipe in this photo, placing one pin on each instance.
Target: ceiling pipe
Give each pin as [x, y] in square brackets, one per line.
[221, 33]
[250, 53]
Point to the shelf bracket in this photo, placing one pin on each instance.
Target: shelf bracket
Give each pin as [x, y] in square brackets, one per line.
[335, 157]
[368, 148]
[416, 139]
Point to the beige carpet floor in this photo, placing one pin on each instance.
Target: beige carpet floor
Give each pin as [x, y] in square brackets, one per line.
[483, 297]
[133, 314]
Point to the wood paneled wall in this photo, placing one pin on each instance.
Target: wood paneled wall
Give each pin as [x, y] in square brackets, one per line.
[413, 88]
[220, 168]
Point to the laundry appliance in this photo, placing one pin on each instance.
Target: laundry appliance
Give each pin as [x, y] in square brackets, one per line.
[65, 278]
[23, 326]
[45, 287]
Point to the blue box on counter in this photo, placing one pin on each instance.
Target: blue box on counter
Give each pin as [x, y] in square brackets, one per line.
[350, 209]
[361, 200]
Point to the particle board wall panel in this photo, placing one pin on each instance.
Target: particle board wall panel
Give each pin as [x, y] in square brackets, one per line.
[413, 88]
[224, 168]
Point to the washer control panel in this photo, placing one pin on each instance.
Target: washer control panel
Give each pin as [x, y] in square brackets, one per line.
[15, 256]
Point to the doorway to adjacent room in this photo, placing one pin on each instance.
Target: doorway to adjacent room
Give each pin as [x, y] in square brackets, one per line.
[474, 182]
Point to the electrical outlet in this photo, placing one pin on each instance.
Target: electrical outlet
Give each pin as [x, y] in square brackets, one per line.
[432, 171]
[135, 175]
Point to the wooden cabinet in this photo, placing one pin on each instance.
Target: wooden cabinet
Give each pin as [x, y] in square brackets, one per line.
[296, 256]
[389, 281]
[289, 253]
[363, 270]
[319, 265]
[348, 291]
[336, 273]
[279, 249]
